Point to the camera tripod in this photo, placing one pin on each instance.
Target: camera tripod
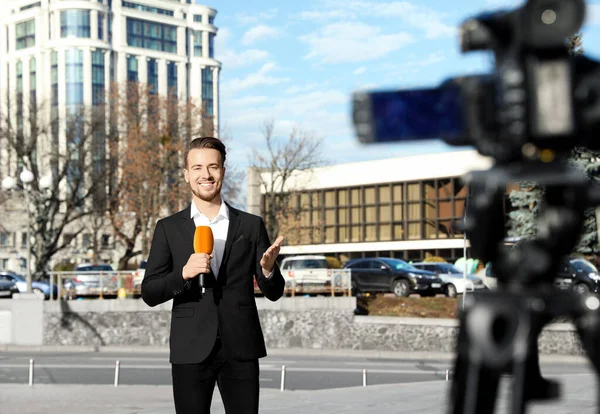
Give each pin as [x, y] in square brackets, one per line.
[499, 330]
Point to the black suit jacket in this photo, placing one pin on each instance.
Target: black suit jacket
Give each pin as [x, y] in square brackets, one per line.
[228, 304]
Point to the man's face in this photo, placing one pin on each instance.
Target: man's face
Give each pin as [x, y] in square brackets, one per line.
[204, 173]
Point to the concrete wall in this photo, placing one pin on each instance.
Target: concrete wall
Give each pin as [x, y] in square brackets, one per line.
[22, 320]
[300, 322]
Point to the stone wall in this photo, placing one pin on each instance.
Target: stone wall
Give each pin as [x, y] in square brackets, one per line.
[320, 323]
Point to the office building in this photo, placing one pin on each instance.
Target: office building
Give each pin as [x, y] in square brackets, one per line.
[408, 207]
[65, 54]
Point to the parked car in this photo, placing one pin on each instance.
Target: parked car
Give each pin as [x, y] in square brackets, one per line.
[7, 288]
[572, 273]
[384, 274]
[87, 280]
[38, 287]
[312, 270]
[454, 281]
[578, 274]
[138, 275]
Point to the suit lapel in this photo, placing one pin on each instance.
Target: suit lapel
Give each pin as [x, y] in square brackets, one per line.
[234, 223]
[188, 223]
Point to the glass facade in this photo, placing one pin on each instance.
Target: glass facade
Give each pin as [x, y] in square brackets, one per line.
[146, 8]
[197, 43]
[150, 35]
[75, 23]
[101, 26]
[211, 45]
[402, 211]
[198, 18]
[74, 78]
[25, 33]
[33, 83]
[132, 69]
[98, 77]
[152, 76]
[19, 99]
[207, 91]
[172, 78]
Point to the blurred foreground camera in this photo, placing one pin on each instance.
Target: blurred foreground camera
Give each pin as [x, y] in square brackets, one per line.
[539, 103]
[538, 98]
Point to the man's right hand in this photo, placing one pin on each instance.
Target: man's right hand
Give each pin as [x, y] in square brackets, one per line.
[196, 264]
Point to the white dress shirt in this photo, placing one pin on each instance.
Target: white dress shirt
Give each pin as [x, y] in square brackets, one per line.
[219, 226]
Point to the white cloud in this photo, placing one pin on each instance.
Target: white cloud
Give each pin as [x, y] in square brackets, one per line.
[232, 59]
[260, 78]
[306, 88]
[593, 14]
[353, 42]
[422, 18]
[246, 101]
[258, 33]
[247, 19]
[359, 71]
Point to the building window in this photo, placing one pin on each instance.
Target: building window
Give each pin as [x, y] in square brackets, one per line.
[24, 240]
[149, 9]
[211, 45]
[25, 34]
[74, 77]
[54, 78]
[109, 28]
[152, 76]
[172, 78]
[19, 102]
[105, 241]
[197, 43]
[86, 240]
[6, 239]
[150, 35]
[31, 6]
[211, 19]
[97, 77]
[207, 90]
[32, 83]
[75, 23]
[132, 69]
[198, 18]
[101, 26]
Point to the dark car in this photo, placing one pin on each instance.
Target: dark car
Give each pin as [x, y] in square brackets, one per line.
[578, 274]
[8, 288]
[573, 273]
[40, 288]
[384, 274]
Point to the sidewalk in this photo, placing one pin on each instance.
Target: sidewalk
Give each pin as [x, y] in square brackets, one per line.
[426, 397]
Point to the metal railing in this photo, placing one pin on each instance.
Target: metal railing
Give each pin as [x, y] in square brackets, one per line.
[87, 284]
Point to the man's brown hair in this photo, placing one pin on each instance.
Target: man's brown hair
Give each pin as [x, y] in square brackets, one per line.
[206, 142]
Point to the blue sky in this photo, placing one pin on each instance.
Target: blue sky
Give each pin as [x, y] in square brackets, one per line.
[299, 62]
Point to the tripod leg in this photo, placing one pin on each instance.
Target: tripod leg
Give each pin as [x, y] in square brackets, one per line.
[474, 386]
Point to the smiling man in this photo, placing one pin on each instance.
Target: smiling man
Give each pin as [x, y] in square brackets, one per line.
[216, 337]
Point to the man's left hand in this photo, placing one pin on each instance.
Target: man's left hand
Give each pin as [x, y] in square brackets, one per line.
[268, 259]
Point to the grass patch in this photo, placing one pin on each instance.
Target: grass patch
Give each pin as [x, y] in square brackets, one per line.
[383, 305]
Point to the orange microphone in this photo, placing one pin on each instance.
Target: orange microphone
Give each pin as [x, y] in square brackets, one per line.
[203, 243]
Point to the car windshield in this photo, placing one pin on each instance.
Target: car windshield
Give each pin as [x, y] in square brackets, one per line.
[18, 277]
[584, 266]
[398, 264]
[447, 267]
[309, 264]
[95, 268]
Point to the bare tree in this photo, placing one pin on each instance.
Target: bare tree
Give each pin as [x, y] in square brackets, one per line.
[147, 143]
[34, 144]
[283, 158]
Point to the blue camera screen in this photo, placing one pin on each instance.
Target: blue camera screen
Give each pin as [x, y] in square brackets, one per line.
[417, 115]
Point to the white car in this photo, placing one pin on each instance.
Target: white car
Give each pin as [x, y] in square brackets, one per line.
[308, 270]
[454, 281]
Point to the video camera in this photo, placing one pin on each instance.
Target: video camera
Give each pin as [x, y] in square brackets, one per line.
[539, 104]
[538, 96]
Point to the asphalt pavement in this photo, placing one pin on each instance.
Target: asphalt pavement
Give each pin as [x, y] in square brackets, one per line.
[419, 384]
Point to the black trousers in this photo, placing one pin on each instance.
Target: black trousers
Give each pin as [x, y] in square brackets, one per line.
[193, 384]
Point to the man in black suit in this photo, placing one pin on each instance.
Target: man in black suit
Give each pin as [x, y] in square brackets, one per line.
[216, 336]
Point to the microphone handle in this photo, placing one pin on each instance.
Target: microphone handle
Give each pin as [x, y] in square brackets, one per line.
[202, 282]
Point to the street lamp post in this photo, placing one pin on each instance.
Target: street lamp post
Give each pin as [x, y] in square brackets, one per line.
[8, 183]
